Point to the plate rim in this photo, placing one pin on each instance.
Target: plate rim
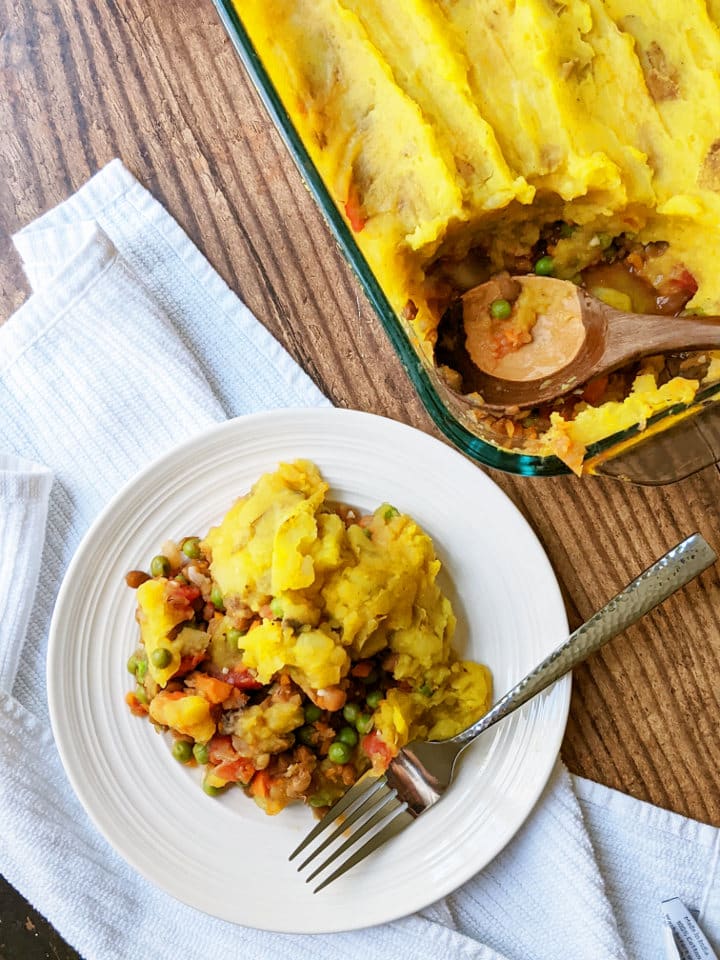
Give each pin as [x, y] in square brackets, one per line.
[561, 689]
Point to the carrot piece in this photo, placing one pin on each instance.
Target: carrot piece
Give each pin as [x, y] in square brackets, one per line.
[215, 691]
[136, 708]
[235, 771]
[260, 784]
[221, 749]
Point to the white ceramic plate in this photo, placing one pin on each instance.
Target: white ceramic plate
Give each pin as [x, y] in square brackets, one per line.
[223, 855]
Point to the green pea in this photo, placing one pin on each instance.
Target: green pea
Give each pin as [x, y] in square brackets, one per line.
[161, 658]
[191, 548]
[351, 711]
[233, 636]
[373, 699]
[500, 309]
[567, 230]
[210, 790]
[390, 512]
[364, 723]
[141, 669]
[339, 752]
[319, 799]
[276, 607]
[348, 735]
[142, 697]
[545, 266]
[312, 712]
[307, 735]
[201, 752]
[182, 750]
[371, 677]
[132, 664]
[179, 578]
[159, 566]
[426, 690]
[216, 597]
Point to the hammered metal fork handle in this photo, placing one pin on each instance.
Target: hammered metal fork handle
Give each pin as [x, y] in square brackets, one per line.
[657, 583]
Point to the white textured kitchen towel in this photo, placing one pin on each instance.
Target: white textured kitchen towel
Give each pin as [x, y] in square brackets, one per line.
[122, 349]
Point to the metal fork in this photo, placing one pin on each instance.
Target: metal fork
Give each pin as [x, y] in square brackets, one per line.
[377, 808]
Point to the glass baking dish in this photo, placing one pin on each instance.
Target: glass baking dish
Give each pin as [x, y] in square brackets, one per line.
[673, 444]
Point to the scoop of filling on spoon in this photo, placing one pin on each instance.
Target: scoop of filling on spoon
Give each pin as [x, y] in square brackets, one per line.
[522, 329]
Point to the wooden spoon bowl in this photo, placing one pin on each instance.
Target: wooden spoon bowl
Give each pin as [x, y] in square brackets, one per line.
[573, 338]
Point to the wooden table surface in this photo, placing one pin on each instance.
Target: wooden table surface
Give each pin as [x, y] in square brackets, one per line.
[159, 85]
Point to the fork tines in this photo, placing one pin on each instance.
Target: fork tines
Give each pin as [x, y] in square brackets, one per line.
[371, 810]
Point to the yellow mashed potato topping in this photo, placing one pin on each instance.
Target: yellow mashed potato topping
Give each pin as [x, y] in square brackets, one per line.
[461, 138]
[300, 643]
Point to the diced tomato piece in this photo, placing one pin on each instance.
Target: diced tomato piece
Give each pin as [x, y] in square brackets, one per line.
[188, 663]
[377, 750]
[685, 281]
[354, 210]
[179, 594]
[180, 597]
[243, 679]
[674, 292]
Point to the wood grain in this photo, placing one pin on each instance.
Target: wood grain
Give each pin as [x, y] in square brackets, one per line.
[160, 86]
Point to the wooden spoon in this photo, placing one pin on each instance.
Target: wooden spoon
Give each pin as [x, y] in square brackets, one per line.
[575, 337]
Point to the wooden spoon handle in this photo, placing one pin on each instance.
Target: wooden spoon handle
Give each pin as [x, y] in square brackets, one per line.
[636, 335]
